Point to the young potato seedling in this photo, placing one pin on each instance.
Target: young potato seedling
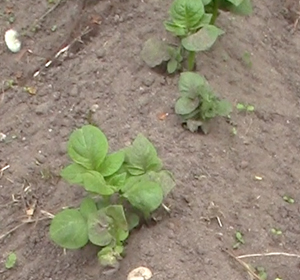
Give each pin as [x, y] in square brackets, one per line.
[191, 24]
[276, 231]
[122, 188]
[288, 199]
[198, 104]
[245, 107]
[240, 240]
[10, 260]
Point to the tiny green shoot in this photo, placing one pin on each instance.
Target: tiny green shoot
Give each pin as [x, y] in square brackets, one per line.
[276, 231]
[10, 260]
[261, 272]
[239, 240]
[246, 58]
[288, 199]
[245, 107]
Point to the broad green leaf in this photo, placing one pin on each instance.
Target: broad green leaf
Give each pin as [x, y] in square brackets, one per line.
[73, 173]
[194, 115]
[145, 196]
[235, 2]
[224, 108]
[116, 212]
[185, 105]
[10, 260]
[172, 66]
[203, 39]
[206, 2]
[111, 163]
[244, 9]
[186, 13]
[94, 182]
[190, 84]
[98, 228]
[130, 182]
[88, 147]
[68, 229]
[141, 156]
[163, 178]
[133, 220]
[87, 207]
[117, 180]
[155, 52]
[176, 30]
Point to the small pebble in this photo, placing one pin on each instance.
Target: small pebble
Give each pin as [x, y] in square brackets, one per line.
[244, 164]
[42, 108]
[40, 158]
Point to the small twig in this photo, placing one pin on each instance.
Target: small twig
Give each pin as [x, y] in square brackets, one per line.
[268, 254]
[246, 266]
[29, 221]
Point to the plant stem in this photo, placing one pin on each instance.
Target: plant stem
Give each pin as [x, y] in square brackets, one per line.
[191, 60]
[215, 11]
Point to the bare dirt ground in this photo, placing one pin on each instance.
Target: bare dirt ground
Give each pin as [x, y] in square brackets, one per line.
[106, 69]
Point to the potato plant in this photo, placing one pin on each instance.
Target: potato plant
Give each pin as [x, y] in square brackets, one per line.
[121, 188]
[189, 22]
[198, 104]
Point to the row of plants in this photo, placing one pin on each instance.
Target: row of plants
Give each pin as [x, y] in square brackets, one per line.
[192, 23]
[124, 188]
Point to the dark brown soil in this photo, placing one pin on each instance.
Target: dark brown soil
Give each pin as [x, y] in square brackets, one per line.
[106, 69]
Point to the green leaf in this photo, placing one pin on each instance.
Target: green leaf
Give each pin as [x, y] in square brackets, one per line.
[111, 163]
[172, 66]
[155, 52]
[141, 156]
[73, 173]
[117, 180]
[163, 178]
[190, 84]
[88, 147]
[176, 30]
[68, 229]
[10, 260]
[116, 212]
[235, 2]
[224, 108]
[239, 7]
[244, 9]
[109, 256]
[87, 207]
[185, 105]
[94, 182]
[98, 228]
[145, 196]
[133, 220]
[206, 2]
[186, 13]
[203, 39]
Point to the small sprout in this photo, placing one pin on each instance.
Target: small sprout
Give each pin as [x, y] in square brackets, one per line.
[247, 59]
[140, 273]
[11, 40]
[245, 107]
[258, 178]
[240, 240]
[278, 278]
[261, 271]
[288, 199]
[54, 28]
[276, 231]
[234, 131]
[11, 260]
[30, 90]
